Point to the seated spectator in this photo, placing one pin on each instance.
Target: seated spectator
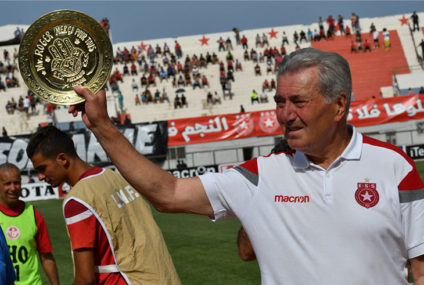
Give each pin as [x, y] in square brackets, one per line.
[177, 102]
[202, 61]
[125, 70]
[421, 90]
[230, 65]
[137, 99]
[195, 71]
[246, 55]
[143, 81]
[264, 97]
[264, 40]
[358, 36]
[214, 58]
[118, 75]
[180, 81]
[258, 41]
[272, 84]
[254, 97]
[230, 75]
[196, 83]
[353, 48]
[265, 85]
[367, 46]
[157, 96]
[347, 31]
[164, 96]
[163, 75]
[268, 66]
[238, 65]
[229, 56]
[114, 86]
[209, 98]
[134, 85]
[187, 78]
[149, 97]
[302, 35]
[257, 70]
[151, 80]
[228, 44]
[244, 42]
[133, 69]
[221, 45]
[216, 98]
[205, 81]
[143, 98]
[410, 91]
[184, 101]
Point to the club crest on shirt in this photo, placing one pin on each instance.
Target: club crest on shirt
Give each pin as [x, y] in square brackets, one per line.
[366, 195]
[13, 233]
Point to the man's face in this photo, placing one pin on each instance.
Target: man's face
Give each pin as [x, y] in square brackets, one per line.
[10, 187]
[308, 123]
[49, 170]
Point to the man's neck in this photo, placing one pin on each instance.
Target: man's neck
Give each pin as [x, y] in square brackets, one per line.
[77, 168]
[331, 151]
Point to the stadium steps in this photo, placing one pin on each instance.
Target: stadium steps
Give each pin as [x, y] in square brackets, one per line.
[370, 70]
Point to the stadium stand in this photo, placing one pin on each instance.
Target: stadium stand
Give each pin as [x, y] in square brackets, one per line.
[373, 72]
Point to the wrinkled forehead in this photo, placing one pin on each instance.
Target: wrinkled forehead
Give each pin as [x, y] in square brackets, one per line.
[10, 174]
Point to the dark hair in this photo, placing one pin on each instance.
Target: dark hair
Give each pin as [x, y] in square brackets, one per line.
[50, 141]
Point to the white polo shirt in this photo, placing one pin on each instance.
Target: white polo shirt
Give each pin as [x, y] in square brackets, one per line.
[355, 223]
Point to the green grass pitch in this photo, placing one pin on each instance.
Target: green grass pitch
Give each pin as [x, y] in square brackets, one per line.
[203, 252]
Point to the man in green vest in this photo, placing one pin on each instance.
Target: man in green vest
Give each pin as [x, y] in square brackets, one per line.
[25, 231]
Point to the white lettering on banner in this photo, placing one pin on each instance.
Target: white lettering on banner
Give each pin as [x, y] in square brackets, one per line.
[400, 108]
[38, 191]
[17, 154]
[363, 112]
[120, 198]
[3, 148]
[79, 142]
[145, 135]
[215, 125]
[95, 149]
[172, 130]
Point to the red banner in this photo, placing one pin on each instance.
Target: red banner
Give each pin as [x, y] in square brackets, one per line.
[264, 123]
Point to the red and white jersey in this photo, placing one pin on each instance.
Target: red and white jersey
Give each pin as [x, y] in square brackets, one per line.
[355, 223]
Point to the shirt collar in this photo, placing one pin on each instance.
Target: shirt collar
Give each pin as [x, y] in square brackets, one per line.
[351, 152]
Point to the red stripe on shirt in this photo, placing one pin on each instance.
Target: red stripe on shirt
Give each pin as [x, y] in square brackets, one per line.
[251, 165]
[412, 181]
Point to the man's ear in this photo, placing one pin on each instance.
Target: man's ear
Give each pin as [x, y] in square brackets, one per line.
[63, 159]
[341, 103]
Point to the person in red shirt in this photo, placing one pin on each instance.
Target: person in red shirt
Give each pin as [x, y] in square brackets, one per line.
[11, 206]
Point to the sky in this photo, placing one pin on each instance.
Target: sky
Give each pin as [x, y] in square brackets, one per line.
[145, 20]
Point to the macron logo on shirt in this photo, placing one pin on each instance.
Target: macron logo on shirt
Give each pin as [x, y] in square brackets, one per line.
[291, 199]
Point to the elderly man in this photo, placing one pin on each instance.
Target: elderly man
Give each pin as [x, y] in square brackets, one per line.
[25, 231]
[341, 208]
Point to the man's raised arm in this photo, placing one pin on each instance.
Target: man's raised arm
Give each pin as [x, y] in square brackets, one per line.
[167, 193]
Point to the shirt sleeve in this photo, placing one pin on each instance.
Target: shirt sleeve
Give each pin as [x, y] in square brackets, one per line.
[230, 193]
[42, 236]
[411, 196]
[81, 224]
[7, 272]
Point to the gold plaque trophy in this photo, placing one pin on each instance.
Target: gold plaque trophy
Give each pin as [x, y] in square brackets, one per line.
[62, 49]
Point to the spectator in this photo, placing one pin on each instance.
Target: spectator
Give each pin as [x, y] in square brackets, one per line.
[134, 85]
[209, 98]
[4, 132]
[205, 82]
[410, 91]
[254, 97]
[221, 45]
[125, 70]
[244, 42]
[285, 39]
[264, 40]
[341, 24]
[386, 39]
[415, 22]
[258, 41]
[238, 65]
[264, 97]
[137, 100]
[216, 98]
[164, 96]
[120, 101]
[375, 36]
[367, 46]
[183, 100]
[421, 44]
[257, 70]
[177, 102]
[353, 47]
[178, 50]
[419, 92]
[196, 83]
[265, 85]
[242, 109]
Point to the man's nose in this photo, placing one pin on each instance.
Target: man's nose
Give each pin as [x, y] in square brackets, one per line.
[41, 177]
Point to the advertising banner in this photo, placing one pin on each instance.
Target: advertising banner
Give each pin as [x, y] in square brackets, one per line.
[150, 139]
[264, 123]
